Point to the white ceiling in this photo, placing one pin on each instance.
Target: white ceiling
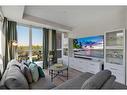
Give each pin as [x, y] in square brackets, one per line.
[13, 12]
[71, 15]
[80, 18]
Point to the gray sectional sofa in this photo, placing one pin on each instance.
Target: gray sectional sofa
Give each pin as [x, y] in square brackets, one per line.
[101, 80]
[13, 78]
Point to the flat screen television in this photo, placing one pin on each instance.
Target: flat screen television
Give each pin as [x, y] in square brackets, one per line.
[89, 47]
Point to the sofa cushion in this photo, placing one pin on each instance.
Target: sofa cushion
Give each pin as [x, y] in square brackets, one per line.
[15, 79]
[34, 71]
[42, 83]
[97, 80]
[40, 71]
[75, 83]
[109, 83]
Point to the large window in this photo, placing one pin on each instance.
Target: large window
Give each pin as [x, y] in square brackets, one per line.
[23, 42]
[37, 42]
[30, 42]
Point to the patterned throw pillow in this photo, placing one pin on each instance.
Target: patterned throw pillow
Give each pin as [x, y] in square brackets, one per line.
[41, 73]
[34, 71]
[26, 72]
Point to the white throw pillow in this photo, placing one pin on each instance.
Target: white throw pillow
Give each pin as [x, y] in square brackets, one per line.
[12, 62]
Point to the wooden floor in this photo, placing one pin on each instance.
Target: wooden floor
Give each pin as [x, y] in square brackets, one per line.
[59, 80]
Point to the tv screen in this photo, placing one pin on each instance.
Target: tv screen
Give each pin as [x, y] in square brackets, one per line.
[89, 46]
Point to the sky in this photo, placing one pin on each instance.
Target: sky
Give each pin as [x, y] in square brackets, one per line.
[23, 36]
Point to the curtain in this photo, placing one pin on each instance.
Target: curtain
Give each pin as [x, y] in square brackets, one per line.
[10, 33]
[2, 47]
[45, 47]
[54, 46]
[5, 32]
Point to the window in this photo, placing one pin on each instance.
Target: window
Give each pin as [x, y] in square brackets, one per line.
[30, 41]
[23, 42]
[37, 41]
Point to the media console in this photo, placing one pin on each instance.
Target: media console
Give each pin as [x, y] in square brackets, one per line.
[85, 65]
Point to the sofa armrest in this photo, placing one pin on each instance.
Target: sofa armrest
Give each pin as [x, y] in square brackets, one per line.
[117, 85]
[109, 83]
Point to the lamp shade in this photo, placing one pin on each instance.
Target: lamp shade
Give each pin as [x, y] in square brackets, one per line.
[13, 43]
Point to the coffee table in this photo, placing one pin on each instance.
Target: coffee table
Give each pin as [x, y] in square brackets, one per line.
[55, 71]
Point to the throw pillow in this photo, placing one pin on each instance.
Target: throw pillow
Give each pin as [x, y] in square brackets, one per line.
[34, 72]
[27, 63]
[13, 62]
[97, 80]
[26, 72]
[41, 73]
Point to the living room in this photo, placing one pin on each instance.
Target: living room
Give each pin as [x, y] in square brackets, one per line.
[63, 47]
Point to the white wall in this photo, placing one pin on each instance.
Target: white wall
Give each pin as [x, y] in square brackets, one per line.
[125, 16]
[100, 24]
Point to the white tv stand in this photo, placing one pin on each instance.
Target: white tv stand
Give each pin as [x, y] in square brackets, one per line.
[85, 65]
